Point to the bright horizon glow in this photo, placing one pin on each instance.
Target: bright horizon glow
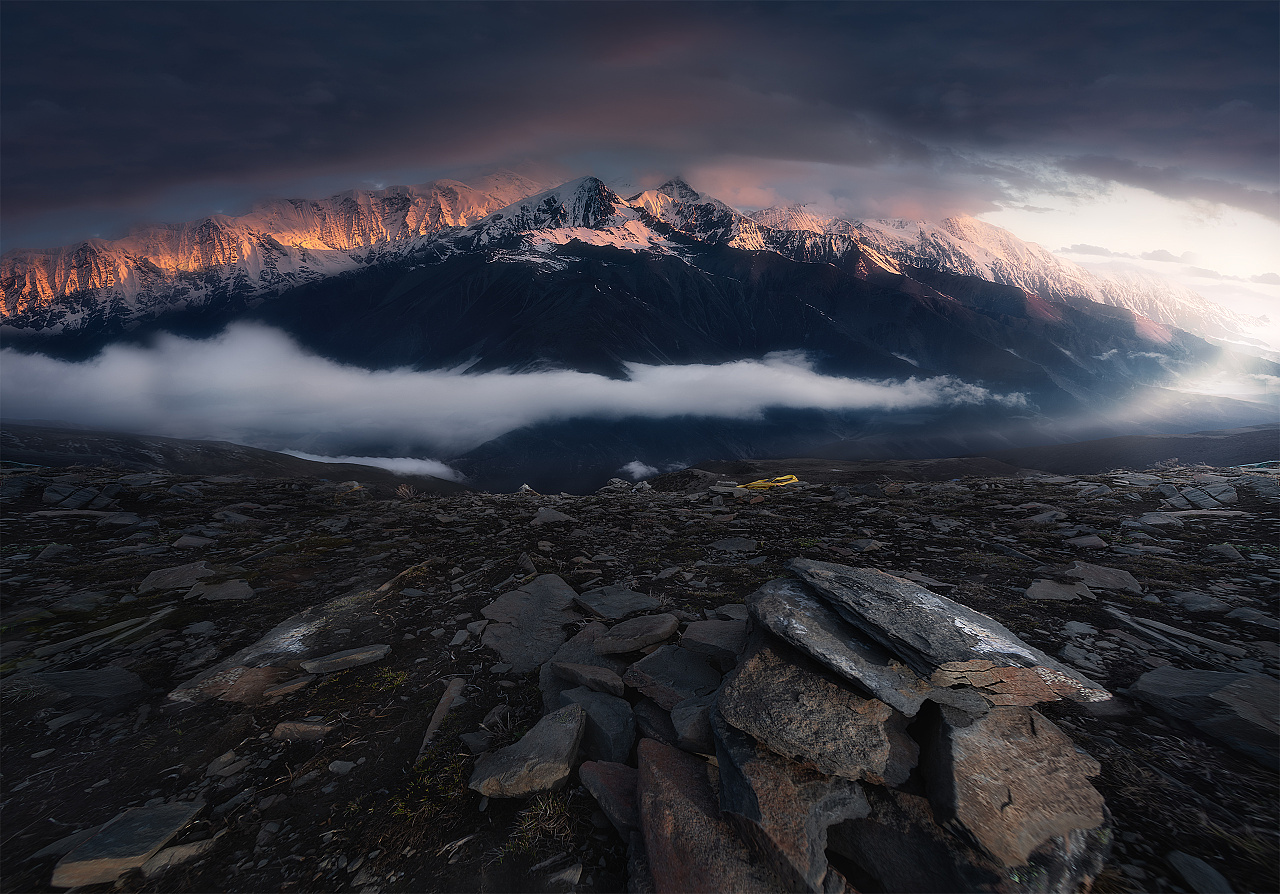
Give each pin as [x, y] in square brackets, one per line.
[1128, 220]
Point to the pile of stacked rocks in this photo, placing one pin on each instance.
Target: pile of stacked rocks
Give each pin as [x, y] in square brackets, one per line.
[866, 734]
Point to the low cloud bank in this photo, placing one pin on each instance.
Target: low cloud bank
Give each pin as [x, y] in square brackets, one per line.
[253, 384]
[400, 465]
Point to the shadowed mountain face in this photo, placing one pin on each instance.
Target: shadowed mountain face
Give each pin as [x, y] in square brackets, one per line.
[577, 278]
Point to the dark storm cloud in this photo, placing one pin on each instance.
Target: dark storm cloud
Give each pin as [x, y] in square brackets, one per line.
[111, 105]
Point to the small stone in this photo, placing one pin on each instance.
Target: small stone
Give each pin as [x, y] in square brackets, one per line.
[288, 686]
[1239, 710]
[630, 636]
[191, 541]
[613, 785]
[1226, 551]
[226, 591]
[611, 728]
[181, 577]
[346, 659]
[722, 641]
[691, 720]
[1088, 541]
[541, 761]
[1052, 590]
[736, 545]
[655, 722]
[601, 679]
[301, 731]
[545, 516]
[341, 768]
[1100, 577]
[579, 650]
[55, 551]
[1202, 877]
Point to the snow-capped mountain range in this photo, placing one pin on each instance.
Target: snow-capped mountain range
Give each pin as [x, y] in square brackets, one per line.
[974, 248]
[285, 243]
[278, 244]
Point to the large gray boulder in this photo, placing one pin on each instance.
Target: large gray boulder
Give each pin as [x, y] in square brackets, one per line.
[527, 625]
[1240, 710]
[943, 640]
[782, 699]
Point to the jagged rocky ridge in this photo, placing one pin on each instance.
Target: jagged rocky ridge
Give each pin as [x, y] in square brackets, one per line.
[284, 243]
[253, 666]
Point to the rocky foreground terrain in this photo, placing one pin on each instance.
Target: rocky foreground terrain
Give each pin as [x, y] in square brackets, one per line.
[869, 679]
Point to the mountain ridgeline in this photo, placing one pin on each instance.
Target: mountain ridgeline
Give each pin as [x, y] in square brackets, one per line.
[578, 277]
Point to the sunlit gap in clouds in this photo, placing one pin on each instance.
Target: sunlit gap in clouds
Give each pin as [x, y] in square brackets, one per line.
[254, 385]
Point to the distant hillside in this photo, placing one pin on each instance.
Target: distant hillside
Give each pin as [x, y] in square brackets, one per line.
[1237, 446]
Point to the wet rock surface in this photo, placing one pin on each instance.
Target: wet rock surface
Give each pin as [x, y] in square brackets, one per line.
[157, 689]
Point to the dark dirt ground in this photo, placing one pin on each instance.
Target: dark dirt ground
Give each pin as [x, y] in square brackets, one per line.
[398, 823]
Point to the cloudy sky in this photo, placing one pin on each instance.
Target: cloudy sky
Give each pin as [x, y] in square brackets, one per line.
[1134, 127]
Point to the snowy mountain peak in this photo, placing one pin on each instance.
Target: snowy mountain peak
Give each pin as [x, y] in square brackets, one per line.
[677, 189]
[793, 218]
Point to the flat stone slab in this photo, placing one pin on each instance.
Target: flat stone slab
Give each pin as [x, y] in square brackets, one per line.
[931, 632]
[615, 603]
[1049, 590]
[580, 650]
[630, 636]
[540, 762]
[1239, 710]
[689, 844]
[1014, 781]
[783, 810]
[125, 843]
[181, 577]
[1103, 578]
[601, 679]
[721, 641]
[790, 610]
[348, 658]
[545, 516]
[613, 785]
[527, 625]
[672, 674]
[781, 699]
[736, 545]
[104, 688]
[228, 590]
